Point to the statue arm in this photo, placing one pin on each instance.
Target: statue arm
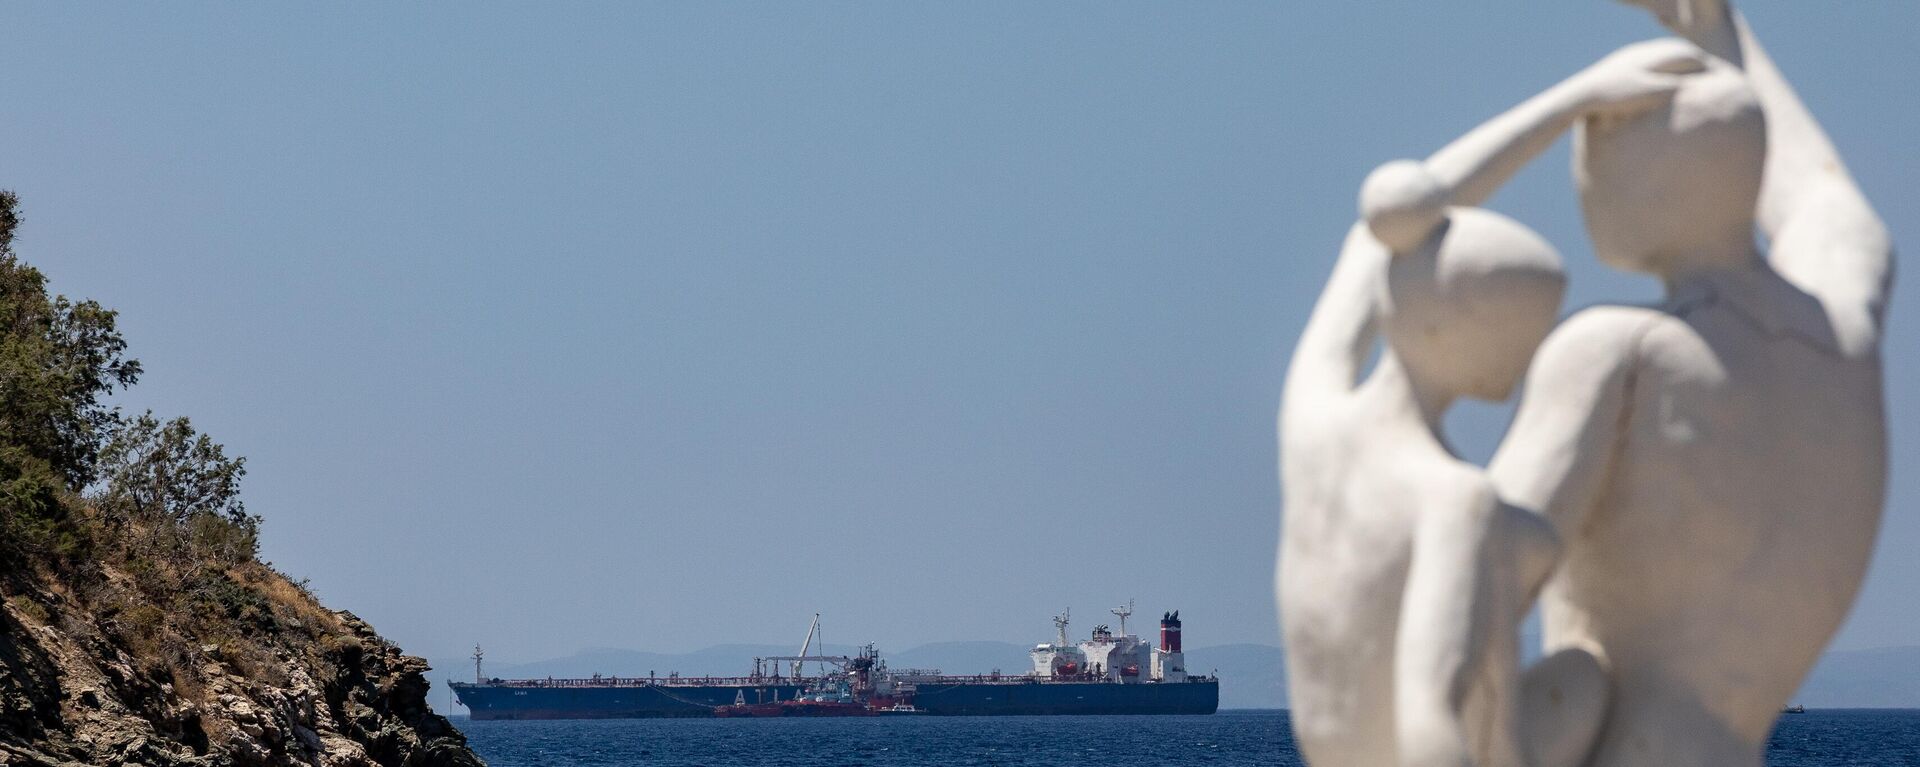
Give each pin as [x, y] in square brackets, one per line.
[1477, 164]
[1633, 79]
[1825, 235]
[1447, 618]
[1340, 332]
[1556, 457]
[1477, 564]
[1404, 202]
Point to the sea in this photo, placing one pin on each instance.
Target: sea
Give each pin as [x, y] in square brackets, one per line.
[1817, 738]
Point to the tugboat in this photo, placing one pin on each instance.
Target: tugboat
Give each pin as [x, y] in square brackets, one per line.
[859, 692]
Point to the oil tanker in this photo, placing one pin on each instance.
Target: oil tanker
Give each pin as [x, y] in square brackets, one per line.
[1108, 673]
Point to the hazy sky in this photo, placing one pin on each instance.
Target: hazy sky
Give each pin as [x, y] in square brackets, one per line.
[664, 326]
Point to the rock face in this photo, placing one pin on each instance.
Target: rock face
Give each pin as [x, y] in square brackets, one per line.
[97, 678]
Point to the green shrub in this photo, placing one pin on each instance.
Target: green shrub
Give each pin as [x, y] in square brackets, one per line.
[215, 595]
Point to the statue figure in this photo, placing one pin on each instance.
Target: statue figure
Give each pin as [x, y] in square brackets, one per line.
[1403, 577]
[1698, 482]
[1715, 465]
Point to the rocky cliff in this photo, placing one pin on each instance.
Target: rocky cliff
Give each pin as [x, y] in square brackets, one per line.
[103, 675]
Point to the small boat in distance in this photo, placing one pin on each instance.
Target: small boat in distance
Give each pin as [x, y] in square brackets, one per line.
[1794, 710]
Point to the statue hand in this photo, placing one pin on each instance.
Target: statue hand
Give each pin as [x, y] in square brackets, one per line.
[1687, 18]
[1636, 78]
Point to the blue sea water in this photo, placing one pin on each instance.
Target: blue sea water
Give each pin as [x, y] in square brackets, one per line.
[1829, 738]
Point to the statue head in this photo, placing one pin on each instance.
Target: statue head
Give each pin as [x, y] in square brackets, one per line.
[1673, 189]
[1465, 309]
[1469, 293]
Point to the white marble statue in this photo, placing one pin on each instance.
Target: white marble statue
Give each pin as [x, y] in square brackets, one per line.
[1402, 575]
[1702, 478]
[1716, 464]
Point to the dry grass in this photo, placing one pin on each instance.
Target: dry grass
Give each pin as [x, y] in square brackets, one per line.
[288, 598]
[182, 605]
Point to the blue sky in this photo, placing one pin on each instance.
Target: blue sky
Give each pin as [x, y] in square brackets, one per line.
[660, 326]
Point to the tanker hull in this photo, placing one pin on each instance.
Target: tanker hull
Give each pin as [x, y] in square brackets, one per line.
[641, 701]
[1005, 698]
[1037, 698]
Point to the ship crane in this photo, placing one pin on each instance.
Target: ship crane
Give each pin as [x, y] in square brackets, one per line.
[800, 661]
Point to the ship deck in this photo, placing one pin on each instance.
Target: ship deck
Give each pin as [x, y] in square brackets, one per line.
[643, 681]
[765, 681]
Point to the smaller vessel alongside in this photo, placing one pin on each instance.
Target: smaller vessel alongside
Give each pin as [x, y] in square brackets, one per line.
[865, 690]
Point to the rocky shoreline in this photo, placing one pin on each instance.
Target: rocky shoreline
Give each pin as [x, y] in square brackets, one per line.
[72, 694]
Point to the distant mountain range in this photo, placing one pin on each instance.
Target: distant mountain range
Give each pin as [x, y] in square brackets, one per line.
[1252, 675]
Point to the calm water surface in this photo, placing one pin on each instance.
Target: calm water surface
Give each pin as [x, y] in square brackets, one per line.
[1832, 738]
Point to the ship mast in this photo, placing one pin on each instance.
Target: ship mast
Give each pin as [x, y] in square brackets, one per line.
[477, 654]
[1060, 622]
[1123, 612]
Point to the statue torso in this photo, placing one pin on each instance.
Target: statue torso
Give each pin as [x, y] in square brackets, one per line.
[1734, 529]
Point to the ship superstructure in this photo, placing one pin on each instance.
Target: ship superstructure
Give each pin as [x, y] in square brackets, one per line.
[1107, 656]
[1107, 673]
